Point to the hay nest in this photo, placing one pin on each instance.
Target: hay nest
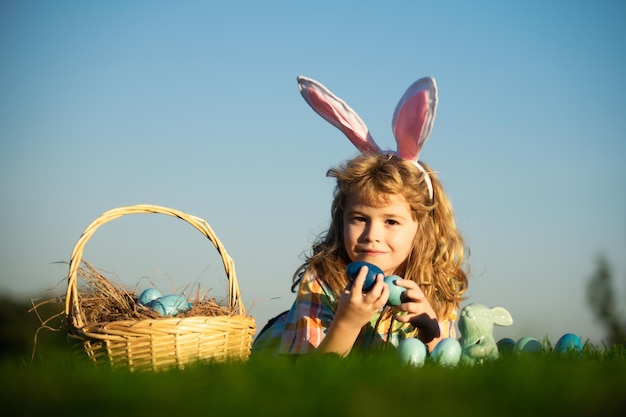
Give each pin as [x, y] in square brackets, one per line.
[103, 301]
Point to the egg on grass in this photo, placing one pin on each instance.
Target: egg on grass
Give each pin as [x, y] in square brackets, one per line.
[568, 343]
[412, 352]
[447, 352]
[527, 344]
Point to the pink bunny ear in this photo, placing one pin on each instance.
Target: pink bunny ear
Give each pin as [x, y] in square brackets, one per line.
[414, 116]
[338, 113]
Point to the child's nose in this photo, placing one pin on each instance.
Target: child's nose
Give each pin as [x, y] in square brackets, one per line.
[372, 232]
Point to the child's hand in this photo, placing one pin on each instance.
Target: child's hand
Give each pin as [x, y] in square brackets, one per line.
[418, 311]
[356, 308]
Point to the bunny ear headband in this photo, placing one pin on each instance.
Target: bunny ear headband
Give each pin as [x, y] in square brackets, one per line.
[412, 120]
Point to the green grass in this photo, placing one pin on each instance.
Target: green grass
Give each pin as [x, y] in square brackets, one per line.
[60, 383]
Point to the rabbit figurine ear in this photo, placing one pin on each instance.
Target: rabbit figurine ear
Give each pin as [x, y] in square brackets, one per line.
[338, 113]
[414, 116]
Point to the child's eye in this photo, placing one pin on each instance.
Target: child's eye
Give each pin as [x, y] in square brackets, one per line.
[357, 219]
[392, 222]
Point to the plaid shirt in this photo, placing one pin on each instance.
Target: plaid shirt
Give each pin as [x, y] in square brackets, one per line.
[301, 329]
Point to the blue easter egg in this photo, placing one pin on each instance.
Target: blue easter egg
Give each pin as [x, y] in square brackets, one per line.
[353, 268]
[447, 352]
[412, 352]
[395, 292]
[170, 305]
[148, 295]
[568, 343]
[506, 345]
[527, 344]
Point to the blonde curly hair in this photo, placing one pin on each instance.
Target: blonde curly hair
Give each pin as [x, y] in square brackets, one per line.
[437, 260]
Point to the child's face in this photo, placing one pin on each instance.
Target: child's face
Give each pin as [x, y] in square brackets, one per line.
[381, 235]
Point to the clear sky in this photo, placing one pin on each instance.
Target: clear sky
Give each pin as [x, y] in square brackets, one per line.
[194, 105]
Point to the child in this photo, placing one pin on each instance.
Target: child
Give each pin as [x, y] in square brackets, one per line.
[388, 210]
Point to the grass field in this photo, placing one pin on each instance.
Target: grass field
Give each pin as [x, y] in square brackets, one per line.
[62, 383]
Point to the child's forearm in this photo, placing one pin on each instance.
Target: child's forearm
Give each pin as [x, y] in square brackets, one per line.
[339, 339]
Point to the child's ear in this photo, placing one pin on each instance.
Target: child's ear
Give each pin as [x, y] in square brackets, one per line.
[338, 113]
[414, 116]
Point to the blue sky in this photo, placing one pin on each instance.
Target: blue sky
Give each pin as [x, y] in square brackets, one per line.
[194, 105]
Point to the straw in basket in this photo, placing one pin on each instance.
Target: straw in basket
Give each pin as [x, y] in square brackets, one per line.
[161, 342]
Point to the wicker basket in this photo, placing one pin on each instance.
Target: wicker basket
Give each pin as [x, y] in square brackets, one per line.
[160, 342]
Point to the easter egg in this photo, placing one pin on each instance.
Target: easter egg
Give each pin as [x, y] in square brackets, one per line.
[395, 292]
[506, 345]
[353, 268]
[527, 344]
[170, 305]
[447, 352]
[148, 295]
[568, 343]
[412, 352]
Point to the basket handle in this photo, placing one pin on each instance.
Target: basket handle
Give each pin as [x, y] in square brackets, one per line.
[72, 307]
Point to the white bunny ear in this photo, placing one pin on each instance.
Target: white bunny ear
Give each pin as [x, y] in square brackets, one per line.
[414, 116]
[338, 113]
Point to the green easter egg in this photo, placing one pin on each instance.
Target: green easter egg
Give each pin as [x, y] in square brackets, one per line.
[527, 344]
[412, 352]
[395, 292]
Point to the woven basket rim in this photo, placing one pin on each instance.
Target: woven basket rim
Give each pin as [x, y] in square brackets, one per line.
[73, 311]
